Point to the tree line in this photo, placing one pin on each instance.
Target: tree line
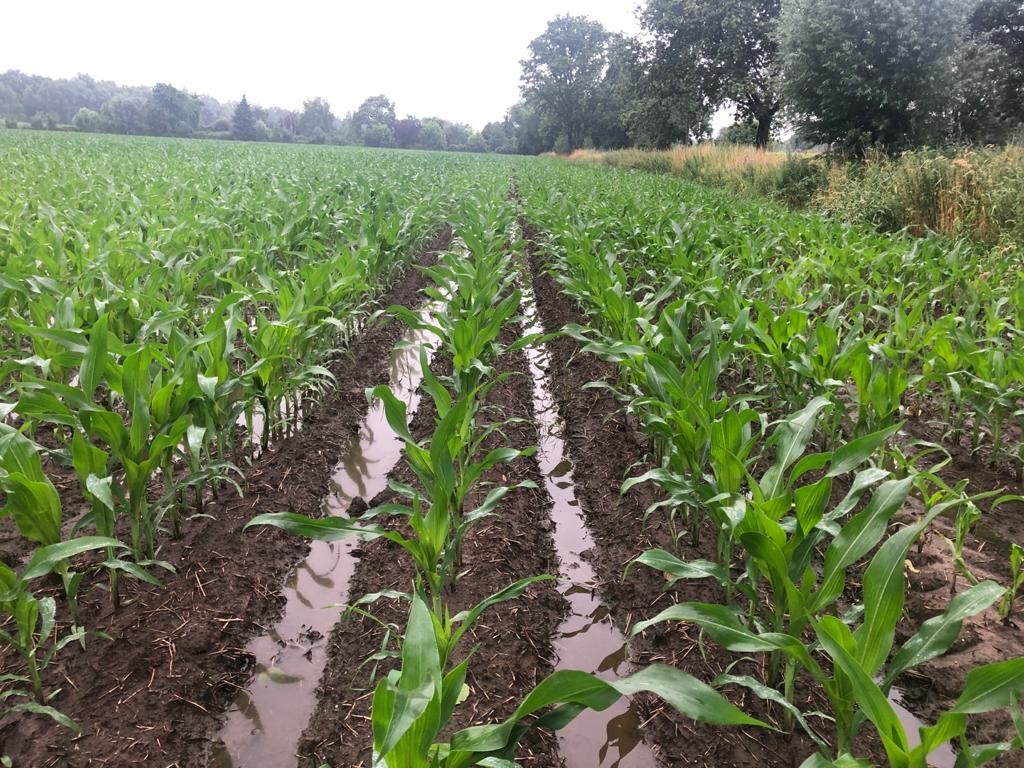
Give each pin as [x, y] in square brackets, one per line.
[852, 74]
[85, 104]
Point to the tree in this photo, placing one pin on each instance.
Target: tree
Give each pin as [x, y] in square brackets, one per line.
[615, 94]
[455, 134]
[499, 137]
[316, 114]
[993, 67]
[87, 120]
[379, 135]
[668, 106]
[563, 73]
[476, 143]
[125, 113]
[739, 133]
[532, 133]
[432, 136]
[376, 110]
[220, 125]
[243, 125]
[863, 72]
[728, 47]
[170, 112]
[407, 131]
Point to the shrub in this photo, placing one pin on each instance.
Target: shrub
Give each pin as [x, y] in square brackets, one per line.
[800, 178]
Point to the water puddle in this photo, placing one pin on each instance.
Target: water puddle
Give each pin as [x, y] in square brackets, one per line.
[288, 423]
[587, 639]
[263, 727]
[943, 756]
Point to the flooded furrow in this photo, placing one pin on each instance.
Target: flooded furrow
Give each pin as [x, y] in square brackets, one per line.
[942, 756]
[263, 727]
[587, 638]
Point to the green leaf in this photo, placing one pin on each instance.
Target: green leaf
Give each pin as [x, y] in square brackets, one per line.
[321, 528]
[668, 563]
[723, 626]
[858, 537]
[883, 591]
[833, 636]
[684, 692]
[54, 714]
[790, 439]
[854, 453]
[992, 686]
[45, 559]
[94, 362]
[418, 683]
[938, 633]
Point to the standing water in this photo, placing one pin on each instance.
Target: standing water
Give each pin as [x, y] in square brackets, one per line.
[942, 756]
[263, 726]
[586, 639]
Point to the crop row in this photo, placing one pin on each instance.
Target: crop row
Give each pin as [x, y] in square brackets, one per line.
[768, 357]
[156, 297]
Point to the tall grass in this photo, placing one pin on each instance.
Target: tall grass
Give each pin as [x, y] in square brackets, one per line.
[976, 193]
[973, 193]
[733, 165]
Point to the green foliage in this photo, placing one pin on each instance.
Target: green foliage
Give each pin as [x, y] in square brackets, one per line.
[87, 120]
[739, 133]
[243, 124]
[860, 74]
[432, 136]
[141, 326]
[563, 72]
[768, 357]
[728, 48]
[801, 179]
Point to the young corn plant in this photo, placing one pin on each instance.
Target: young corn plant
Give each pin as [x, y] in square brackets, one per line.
[33, 635]
[860, 643]
[141, 429]
[413, 704]
[448, 465]
[1016, 580]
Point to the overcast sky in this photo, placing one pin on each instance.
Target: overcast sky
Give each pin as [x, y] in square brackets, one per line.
[456, 59]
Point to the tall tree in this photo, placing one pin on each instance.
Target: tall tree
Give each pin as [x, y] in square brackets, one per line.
[727, 49]
[171, 112]
[864, 72]
[615, 93]
[407, 131]
[243, 124]
[996, 49]
[316, 116]
[669, 105]
[563, 73]
[376, 110]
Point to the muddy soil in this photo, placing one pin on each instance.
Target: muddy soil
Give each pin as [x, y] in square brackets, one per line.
[151, 695]
[932, 688]
[512, 640]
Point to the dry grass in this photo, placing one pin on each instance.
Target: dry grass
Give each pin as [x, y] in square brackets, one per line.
[740, 167]
[975, 193]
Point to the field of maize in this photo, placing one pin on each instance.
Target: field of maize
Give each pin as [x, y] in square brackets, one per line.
[314, 456]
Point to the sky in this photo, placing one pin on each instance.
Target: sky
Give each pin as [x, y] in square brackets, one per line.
[455, 59]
